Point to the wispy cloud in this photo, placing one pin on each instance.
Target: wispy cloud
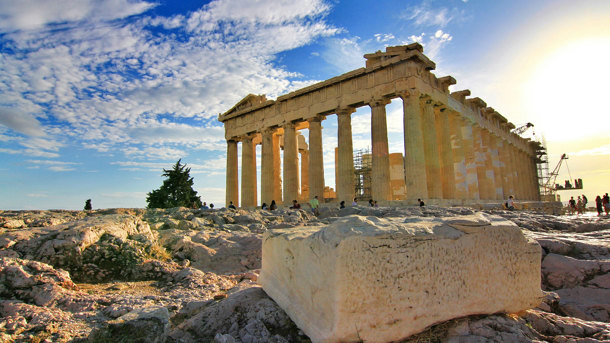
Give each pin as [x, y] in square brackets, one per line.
[83, 75]
[426, 15]
[599, 151]
[57, 166]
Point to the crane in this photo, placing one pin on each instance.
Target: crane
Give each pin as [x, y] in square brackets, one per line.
[521, 129]
[550, 184]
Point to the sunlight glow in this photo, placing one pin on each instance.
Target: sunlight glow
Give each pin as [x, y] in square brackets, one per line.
[569, 89]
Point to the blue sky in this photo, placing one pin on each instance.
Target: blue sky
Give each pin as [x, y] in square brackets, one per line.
[97, 97]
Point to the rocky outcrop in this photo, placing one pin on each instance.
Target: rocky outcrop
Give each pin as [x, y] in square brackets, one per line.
[379, 280]
[59, 282]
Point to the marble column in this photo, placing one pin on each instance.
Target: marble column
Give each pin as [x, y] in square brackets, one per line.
[480, 163]
[267, 166]
[459, 160]
[277, 170]
[536, 184]
[495, 157]
[345, 159]
[291, 164]
[415, 157]
[304, 174]
[232, 192]
[489, 167]
[248, 172]
[443, 141]
[380, 176]
[472, 179]
[316, 159]
[433, 164]
[501, 147]
[517, 182]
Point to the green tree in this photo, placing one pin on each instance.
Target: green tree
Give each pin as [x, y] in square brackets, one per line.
[177, 189]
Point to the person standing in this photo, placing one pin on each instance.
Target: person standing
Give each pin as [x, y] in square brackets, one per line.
[572, 205]
[606, 203]
[599, 206]
[579, 206]
[314, 203]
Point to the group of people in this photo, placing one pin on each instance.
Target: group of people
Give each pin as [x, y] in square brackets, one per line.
[579, 205]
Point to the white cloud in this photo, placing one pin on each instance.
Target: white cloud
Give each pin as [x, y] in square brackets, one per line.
[57, 166]
[425, 15]
[36, 14]
[21, 122]
[384, 37]
[599, 151]
[344, 54]
[83, 76]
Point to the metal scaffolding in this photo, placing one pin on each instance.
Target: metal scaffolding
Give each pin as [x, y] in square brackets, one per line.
[362, 174]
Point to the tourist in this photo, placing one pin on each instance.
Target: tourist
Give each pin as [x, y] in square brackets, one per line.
[204, 206]
[585, 201]
[420, 202]
[273, 206]
[572, 205]
[354, 203]
[579, 206]
[315, 204]
[264, 206]
[599, 205]
[231, 206]
[510, 204]
[371, 204]
[606, 203]
[342, 204]
[211, 206]
[376, 205]
[295, 205]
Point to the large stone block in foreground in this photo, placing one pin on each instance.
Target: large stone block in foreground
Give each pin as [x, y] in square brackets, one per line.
[380, 280]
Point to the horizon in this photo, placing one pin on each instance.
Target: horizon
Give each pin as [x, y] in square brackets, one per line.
[96, 98]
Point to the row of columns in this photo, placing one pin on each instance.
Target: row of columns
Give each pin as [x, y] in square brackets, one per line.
[446, 157]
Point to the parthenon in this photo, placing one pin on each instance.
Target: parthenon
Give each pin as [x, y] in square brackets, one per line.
[456, 149]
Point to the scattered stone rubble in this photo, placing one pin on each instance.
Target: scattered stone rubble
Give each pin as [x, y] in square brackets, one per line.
[182, 275]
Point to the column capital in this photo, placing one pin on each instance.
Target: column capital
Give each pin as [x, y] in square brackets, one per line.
[268, 130]
[408, 93]
[317, 118]
[379, 101]
[345, 110]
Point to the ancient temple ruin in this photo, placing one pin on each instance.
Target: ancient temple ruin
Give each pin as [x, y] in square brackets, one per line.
[457, 149]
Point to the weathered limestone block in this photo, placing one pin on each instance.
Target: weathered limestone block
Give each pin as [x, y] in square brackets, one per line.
[380, 280]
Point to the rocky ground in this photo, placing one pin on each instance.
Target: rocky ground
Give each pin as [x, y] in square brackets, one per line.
[181, 275]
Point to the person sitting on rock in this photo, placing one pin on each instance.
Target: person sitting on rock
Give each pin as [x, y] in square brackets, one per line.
[295, 205]
[354, 203]
[371, 203]
[273, 206]
[510, 203]
[342, 204]
[211, 206]
[204, 206]
[264, 206]
[420, 202]
[231, 206]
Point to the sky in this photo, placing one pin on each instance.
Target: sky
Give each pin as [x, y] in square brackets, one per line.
[97, 97]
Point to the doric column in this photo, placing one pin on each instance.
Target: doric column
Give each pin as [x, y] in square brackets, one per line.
[517, 182]
[415, 158]
[291, 164]
[345, 159]
[380, 176]
[480, 163]
[277, 170]
[459, 160]
[443, 141]
[232, 192]
[267, 166]
[495, 158]
[472, 179]
[536, 184]
[433, 165]
[508, 169]
[501, 147]
[489, 166]
[316, 158]
[304, 174]
[248, 172]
